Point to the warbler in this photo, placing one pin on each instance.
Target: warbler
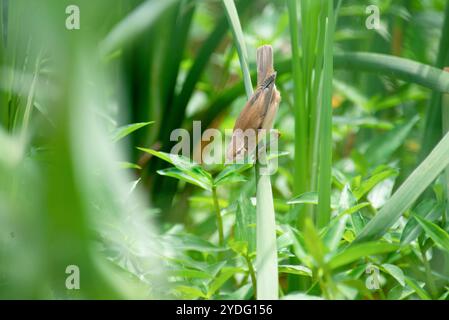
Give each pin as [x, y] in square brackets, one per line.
[260, 110]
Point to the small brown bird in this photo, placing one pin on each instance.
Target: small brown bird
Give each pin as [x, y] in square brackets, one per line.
[260, 110]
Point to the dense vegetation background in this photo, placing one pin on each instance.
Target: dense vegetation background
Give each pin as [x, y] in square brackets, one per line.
[360, 197]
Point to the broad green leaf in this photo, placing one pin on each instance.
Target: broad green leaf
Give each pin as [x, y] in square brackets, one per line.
[230, 171]
[185, 169]
[357, 251]
[178, 161]
[395, 272]
[124, 131]
[408, 192]
[438, 235]
[185, 176]
[371, 182]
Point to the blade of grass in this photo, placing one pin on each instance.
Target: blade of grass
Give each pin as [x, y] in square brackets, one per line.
[236, 28]
[400, 68]
[408, 192]
[301, 141]
[325, 159]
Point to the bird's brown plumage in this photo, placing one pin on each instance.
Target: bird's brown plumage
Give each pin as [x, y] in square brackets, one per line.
[260, 110]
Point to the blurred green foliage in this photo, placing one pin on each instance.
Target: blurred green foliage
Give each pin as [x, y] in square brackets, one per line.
[79, 186]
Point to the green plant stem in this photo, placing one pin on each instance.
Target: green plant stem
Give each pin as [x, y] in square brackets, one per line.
[252, 274]
[429, 277]
[218, 216]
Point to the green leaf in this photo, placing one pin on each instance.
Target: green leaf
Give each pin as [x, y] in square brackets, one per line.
[178, 161]
[408, 192]
[395, 272]
[189, 273]
[229, 172]
[129, 165]
[294, 269]
[438, 235]
[190, 292]
[429, 210]
[217, 283]
[355, 208]
[334, 233]
[122, 132]
[418, 289]
[358, 251]
[400, 68]
[186, 176]
[240, 247]
[375, 179]
[185, 169]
